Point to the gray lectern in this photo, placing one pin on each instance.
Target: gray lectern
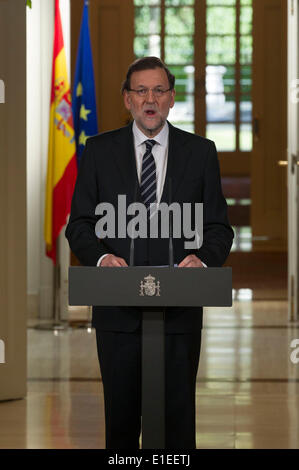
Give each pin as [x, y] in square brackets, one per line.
[152, 289]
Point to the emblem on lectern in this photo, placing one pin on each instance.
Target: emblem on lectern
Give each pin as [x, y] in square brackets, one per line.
[149, 287]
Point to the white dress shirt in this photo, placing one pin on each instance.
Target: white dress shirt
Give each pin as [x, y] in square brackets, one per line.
[159, 152]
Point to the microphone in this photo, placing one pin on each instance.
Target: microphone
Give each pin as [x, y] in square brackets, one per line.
[170, 246]
[132, 245]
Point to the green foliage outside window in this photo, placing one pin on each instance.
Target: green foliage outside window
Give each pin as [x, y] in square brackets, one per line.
[220, 46]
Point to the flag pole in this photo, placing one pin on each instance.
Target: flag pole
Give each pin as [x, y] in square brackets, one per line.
[58, 323]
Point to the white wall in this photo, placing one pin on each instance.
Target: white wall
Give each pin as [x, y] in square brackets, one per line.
[40, 32]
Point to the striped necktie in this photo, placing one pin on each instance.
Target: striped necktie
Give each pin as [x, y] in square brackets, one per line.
[148, 184]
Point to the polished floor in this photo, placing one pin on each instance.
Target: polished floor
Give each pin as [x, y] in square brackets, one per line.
[247, 388]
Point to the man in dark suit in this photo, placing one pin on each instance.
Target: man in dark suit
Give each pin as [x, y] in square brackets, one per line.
[139, 161]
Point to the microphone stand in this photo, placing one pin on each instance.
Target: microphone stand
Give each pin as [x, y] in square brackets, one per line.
[170, 247]
[132, 245]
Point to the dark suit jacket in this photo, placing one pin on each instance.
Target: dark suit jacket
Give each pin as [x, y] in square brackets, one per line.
[108, 168]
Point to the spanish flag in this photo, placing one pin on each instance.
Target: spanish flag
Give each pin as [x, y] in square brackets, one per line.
[62, 165]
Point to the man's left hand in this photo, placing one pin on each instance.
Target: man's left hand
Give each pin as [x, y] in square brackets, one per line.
[191, 261]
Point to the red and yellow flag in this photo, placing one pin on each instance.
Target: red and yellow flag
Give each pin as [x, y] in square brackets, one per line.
[62, 166]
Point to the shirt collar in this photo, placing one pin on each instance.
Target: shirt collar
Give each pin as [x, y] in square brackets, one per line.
[161, 138]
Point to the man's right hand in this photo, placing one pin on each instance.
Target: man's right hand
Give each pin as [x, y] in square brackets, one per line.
[112, 261]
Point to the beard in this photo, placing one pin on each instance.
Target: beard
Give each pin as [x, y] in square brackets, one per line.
[151, 131]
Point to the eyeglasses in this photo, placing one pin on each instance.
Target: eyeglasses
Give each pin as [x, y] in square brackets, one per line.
[157, 92]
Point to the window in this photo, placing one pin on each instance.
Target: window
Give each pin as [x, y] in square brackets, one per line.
[207, 44]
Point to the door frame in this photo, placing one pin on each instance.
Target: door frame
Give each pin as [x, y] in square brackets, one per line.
[292, 158]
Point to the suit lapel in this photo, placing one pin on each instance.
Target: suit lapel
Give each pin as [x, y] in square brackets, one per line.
[124, 155]
[178, 157]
